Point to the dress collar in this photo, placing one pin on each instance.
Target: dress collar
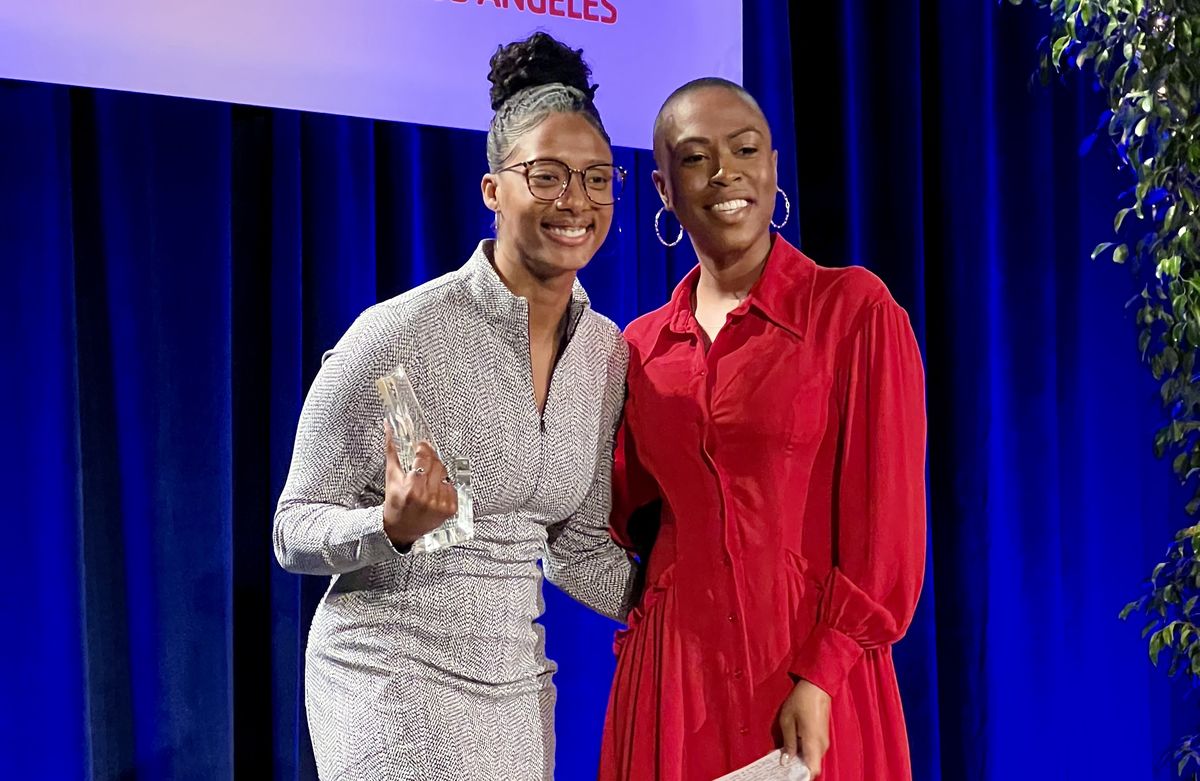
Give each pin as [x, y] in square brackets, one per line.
[783, 294]
[499, 304]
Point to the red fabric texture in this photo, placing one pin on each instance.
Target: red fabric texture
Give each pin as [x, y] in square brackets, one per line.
[789, 456]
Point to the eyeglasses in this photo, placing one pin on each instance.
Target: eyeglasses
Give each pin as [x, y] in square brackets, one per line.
[549, 179]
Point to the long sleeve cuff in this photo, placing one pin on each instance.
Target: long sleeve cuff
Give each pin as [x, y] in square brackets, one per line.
[826, 658]
[849, 622]
[311, 542]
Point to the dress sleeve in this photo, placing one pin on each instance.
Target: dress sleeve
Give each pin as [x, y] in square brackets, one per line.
[581, 557]
[321, 526]
[633, 486]
[868, 598]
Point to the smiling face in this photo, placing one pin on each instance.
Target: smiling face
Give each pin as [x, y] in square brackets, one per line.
[717, 170]
[550, 237]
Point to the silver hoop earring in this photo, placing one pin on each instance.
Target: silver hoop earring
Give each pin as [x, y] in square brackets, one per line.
[787, 214]
[658, 231]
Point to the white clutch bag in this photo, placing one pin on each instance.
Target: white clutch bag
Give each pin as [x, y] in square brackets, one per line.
[769, 769]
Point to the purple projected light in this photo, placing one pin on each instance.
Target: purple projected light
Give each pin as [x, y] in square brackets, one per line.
[423, 61]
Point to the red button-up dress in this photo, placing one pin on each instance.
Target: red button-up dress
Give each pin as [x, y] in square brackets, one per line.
[789, 456]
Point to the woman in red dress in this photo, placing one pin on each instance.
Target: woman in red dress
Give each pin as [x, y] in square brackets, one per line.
[776, 410]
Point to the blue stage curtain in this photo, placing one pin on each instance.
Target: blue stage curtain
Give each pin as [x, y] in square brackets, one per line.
[176, 268]
[926, 154]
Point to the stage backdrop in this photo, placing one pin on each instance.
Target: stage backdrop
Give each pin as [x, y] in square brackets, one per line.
[175, 268]
[407, 60]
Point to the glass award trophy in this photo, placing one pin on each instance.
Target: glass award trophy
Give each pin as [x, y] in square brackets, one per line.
[409, 427]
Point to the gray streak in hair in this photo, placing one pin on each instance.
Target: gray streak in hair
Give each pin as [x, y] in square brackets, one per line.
[527, 109]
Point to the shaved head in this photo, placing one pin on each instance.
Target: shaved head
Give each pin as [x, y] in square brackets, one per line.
[708, 82]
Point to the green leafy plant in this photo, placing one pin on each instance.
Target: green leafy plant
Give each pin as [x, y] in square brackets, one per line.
[1146, 53]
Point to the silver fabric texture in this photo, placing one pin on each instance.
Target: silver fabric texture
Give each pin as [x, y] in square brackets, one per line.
[431, 666]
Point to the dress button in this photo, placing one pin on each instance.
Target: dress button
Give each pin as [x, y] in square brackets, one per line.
[744, 730]
[732, 618]
[737, 674]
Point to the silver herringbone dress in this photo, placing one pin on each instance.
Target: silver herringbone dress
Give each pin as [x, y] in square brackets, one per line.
[431, 666]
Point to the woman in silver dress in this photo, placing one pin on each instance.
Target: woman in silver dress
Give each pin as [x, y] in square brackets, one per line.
[430, 665]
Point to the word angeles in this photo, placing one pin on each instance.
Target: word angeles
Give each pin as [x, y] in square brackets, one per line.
[602, 11]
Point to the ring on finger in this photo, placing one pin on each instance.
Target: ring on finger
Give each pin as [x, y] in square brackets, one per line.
[419, 470]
